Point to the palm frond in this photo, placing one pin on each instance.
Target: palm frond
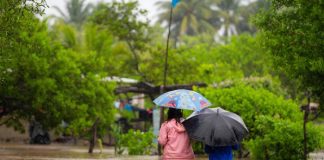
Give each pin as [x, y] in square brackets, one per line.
[60, 12]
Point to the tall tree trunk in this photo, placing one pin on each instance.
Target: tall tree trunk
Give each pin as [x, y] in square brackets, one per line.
[75, 141]
[94, 136]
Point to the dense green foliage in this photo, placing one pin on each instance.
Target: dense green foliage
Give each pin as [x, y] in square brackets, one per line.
[122, 20]
[275, 124]
[25, 54]
[201, 62]
[293, 32]
[137, 142]
[281, 139]
[13, 20]
[58, 72]
[41, 78]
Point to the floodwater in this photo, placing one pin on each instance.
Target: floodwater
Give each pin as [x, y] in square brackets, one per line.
[72, 152]
[61, 152]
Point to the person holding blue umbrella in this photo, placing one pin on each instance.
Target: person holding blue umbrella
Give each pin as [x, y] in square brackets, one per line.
[182, 99]
[173, 135]
[174, 138]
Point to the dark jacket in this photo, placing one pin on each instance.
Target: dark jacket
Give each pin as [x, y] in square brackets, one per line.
[220, 153]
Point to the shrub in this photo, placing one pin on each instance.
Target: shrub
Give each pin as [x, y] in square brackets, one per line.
[281, 139]
[137, 142]
[274, 123]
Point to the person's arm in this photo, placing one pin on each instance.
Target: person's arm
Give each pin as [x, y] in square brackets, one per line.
[163, 135]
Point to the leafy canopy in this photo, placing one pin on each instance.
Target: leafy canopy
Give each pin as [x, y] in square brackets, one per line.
[40, 78]
[293, 32]
[274, 123]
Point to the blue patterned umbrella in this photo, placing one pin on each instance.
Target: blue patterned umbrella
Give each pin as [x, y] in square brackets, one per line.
[182, 99]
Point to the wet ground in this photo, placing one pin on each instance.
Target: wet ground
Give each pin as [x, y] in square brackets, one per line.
[71, 152]
[60, 152]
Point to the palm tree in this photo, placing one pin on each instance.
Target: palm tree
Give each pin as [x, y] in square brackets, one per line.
[249, 10]
[230, 17]
[234, 16]
[223, 18]
[189, 18]
[77, 12]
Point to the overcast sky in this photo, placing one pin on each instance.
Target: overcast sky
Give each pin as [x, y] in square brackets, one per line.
[144, 4]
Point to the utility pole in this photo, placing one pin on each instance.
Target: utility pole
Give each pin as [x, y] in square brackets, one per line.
[165, 73]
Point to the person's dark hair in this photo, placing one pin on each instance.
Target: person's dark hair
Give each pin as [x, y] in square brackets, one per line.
[174, 113]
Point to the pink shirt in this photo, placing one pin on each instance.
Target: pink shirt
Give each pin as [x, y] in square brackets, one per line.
[175, 141]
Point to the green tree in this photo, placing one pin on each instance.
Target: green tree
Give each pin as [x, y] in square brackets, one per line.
[240, 58]
[122, 20]
[118, 58]
[274, 123]
[18, 43]
[11, 26]
[94, 53]
[292, 31]
[43, 79]
[77, 12]
[82, 91]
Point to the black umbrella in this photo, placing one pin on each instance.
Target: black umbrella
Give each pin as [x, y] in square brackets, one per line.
[216, 127]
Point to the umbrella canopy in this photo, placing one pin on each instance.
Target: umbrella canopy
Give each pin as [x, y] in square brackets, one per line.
[216, 127]
[182, 99]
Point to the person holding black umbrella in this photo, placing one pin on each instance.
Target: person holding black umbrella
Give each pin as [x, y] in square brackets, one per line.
[174, 138]
[220, 131]
[220, 152]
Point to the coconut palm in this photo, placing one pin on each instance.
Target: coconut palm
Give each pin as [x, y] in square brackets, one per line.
[223, 17]
[189, 18]
[230, 17]
[77, 12]
[234, 16]
[246, 12]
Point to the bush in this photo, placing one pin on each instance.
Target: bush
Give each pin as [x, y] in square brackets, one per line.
[198, 147]
[137, 142]
[274, 123]
[280, 139]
